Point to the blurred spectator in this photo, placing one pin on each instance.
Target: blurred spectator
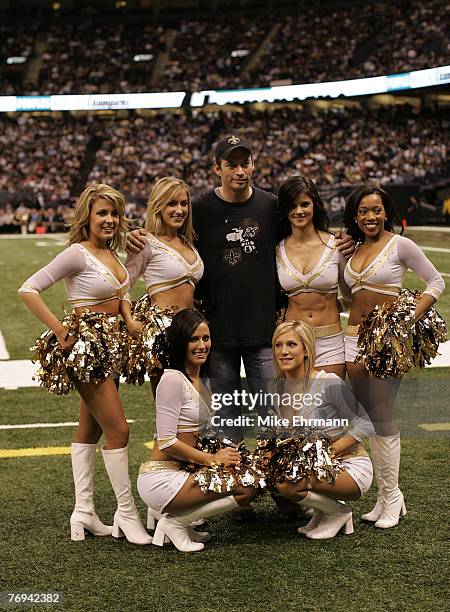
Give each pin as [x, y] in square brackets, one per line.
[40, 159]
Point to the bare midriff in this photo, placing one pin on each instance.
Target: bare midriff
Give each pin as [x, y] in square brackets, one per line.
[316, 309]
[111, 307]
[189, 438]
[364, 301]
[179, 298]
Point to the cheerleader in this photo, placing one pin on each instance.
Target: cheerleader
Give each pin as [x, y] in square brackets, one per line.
[375, 274]
[169, 263]
[182, 410]
[319, 397]
[310, 267]
[95, 280]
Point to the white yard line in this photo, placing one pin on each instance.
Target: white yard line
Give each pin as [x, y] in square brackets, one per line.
[41, 243]
[429, 228]
[3, 350]
[434, 249]
[59, 237]
[47, 425]
[16, 374]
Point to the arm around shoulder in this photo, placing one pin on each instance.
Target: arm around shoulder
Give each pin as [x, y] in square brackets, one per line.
[136, 262]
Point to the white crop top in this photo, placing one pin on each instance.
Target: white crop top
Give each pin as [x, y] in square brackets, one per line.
[87, 280]
[179, 408]
[385, 273]
[325, 276]
[162, 267]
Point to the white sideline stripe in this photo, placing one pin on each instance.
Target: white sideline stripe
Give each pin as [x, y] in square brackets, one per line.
[31, 236]
[18, 373]
[39, 243]
[431, 228]
[15, 374]
[3, 350]
[47, 425]
[434, 249]
[445, 274]
[443, 359]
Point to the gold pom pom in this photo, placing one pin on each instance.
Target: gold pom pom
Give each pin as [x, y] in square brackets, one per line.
[147, 354]
[275, 460]
[97, 353]
[295, 457]
[391, 342]
[224, 479]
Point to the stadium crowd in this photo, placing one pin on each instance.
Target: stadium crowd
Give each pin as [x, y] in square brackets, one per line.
[79, 66]
[310, 45]
[40, 159]
[45, 163]
[219, 60]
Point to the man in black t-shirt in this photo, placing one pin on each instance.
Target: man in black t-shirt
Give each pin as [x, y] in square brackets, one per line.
[236, 228]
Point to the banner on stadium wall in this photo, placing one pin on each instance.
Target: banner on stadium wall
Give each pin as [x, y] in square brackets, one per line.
[331, 89]
[431, 77]
[173, 99]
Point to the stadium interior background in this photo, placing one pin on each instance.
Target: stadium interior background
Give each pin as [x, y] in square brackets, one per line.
[70, 47]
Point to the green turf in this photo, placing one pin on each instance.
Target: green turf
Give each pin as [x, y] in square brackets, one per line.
[260, 567]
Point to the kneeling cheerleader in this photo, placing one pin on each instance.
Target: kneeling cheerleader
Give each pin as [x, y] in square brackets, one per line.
[183, 410]
[321, 402]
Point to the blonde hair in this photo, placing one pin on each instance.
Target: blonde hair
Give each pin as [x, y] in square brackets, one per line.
[304, 333]
[165, 191]
[79, 227]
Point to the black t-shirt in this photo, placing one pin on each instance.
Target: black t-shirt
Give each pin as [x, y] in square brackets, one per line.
[237, 244]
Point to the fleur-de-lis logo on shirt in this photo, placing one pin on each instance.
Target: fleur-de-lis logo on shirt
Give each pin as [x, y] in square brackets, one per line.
[234, 140]
[232, 256]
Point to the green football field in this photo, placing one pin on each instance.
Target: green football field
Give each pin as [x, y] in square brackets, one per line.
[257, 567]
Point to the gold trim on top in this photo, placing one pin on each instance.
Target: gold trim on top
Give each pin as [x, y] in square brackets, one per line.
[103, 268]
[311, 276]
[170, 250]
[362, 284]
[189, 278]
[79, 302]
[375, 264]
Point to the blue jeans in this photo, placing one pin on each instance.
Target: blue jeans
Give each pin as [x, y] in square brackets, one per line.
[225, 378]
